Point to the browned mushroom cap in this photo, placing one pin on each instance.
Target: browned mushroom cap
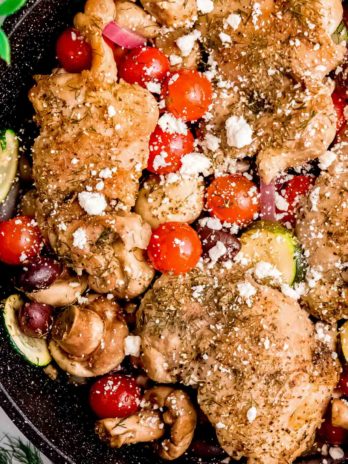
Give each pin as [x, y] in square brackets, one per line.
[70, 345]
[339, 414]
[180, 415]
[78, 331]
[63, 292]
[142, 427]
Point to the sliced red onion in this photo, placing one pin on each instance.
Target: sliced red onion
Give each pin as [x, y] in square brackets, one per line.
[122, 37]
[267, 200]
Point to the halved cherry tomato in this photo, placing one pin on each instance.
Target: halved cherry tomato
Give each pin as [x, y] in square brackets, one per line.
[170, 148]
[293, 191]
[330, 434]
[119, 52]
[233, 199]
[143, 65]
[174, 247]
[114, 395]
[187, 94]
[20, 240]
[339, 98]
[73, 52]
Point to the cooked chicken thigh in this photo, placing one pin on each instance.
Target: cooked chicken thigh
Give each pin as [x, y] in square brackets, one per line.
[322, 229]
[268, 60]
[89, 157]
[264, 377]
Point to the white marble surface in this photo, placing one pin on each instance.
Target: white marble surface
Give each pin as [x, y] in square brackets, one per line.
[7, 427]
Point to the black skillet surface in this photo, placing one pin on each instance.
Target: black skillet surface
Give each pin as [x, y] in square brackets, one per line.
[53, 415]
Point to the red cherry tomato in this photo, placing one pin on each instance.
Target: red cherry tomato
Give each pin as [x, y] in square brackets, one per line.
[73, 52]
[114, 395]
[170, 148]
[330, 434]
[339, 98]
[187, 94]
[343, 383]
[144, 65]
[119, 52]
[233, 199]
[20, 240]
[174, 247]
[293, 191]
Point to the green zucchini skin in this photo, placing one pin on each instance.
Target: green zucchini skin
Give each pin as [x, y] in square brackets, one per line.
[32, 350]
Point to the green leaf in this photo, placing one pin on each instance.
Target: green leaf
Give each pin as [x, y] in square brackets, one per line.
[16, 450]
[5, 52]
[8, 7]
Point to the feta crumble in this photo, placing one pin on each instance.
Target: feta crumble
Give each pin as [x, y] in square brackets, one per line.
[93, 203]
[234, 20]
[326, 160]
[195, 163]
[80, 238]
[170, 124]
[154, 87]
[132, 345]
[205, 6]
[238, 131]
[251, 414]
[217, 251]
[187, 42]
[225, 38]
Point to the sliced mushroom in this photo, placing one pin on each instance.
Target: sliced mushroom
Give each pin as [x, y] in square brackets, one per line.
[131, 16]
[163, 201]
[142, 427]
[339, 414]
[89, 340]
[179, 414]
[63, 292]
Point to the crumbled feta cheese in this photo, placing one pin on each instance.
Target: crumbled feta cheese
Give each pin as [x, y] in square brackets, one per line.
[105, 173]
[234, 20]
[170, 124]
[217, 251]
[263, 270]
[246, 291]
[154, 87]
[80, 238]
[225, 38]
[211, 223]
[256, 13]
[281, 203]
[159, 161]
[212, 142]
[238, 131]
[251, 414]
[195, 163]
[187, 42]
[314, 198]
[336, 452]
[197, 291]
[132, 345]
[220, 425]
[205, 6]
[111, 111]
[326, 160]
[175, 59]
[93, 203]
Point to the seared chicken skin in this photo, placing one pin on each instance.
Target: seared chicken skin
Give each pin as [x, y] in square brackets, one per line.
[90, 154]
[322, 229]
[268, 60]
[264, 377]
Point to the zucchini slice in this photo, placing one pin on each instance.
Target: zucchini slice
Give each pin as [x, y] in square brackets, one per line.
[8, 161]
[33, 350]
[271, 242]
[344, 339]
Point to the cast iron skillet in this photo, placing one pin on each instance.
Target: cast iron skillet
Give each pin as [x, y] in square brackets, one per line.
[53, 415]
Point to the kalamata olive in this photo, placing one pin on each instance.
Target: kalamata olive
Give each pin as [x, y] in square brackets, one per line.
[203, 449]
[210, 237]
[35, 319]
[39, 274]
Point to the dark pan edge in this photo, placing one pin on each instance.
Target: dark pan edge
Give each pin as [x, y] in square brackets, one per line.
[30, 431]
